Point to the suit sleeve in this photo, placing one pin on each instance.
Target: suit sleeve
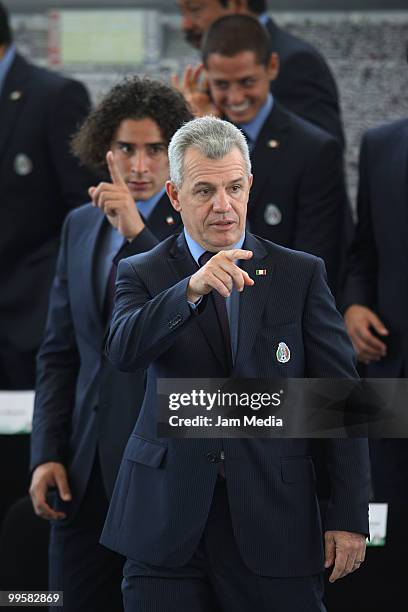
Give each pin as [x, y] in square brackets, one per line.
[144, 326]
[57, 370]
[68, 107]
[322, 209]
[307, 88]
[329, 354]
[362, 262]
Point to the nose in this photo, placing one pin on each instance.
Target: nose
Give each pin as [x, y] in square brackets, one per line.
[139, 162]
[235, 95]
[186, 23]
[221, 203]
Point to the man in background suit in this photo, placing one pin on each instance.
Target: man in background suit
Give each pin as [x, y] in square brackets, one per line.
[298, 198]
[40, 181]
[305, 84]
[84, 408]
[228, 524]
[375, 298]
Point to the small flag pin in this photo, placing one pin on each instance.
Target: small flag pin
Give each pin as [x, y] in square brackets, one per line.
[260, 272]
[273, 144]
[169, 220]
[15, 95]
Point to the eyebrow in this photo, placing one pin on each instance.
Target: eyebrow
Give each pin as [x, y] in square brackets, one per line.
[148, 144]
[208, 184]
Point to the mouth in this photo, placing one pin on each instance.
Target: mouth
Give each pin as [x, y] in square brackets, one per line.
[223, 225]
[138, 185]
[239, 108]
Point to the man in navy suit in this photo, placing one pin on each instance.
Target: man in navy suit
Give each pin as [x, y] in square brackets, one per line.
[84, 408]
[298, 198]
[375, 298]
[305, 84]
[40, 182]
[228, 524]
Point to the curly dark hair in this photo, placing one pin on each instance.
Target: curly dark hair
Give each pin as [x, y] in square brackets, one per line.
[133, 98]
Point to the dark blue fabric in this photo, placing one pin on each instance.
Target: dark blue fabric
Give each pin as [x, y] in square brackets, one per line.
[158, 514]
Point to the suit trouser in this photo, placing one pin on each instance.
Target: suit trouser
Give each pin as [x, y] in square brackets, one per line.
[216, 579]
[88, 573]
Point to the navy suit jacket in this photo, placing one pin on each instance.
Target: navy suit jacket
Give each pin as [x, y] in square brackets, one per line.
[82, 402]
[40, 181]
[377, 265]
[298, 171]
[305, 84]
[165, 487]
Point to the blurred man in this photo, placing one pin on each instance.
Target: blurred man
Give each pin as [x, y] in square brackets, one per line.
[40, 181]
[298, 198]
[228, 524]
[305, 84]
[84, 408]
[376, 291]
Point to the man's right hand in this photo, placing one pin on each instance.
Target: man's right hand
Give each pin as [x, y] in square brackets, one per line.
[194, 87]
[220, 273]
[48, 475]
[359, 320]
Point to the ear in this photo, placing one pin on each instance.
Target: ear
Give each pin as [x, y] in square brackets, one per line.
[250, 180]
[173, 195]
[273, 66]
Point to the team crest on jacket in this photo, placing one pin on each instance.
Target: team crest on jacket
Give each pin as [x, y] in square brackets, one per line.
[283, 353]
[272, 214]
[22, 164]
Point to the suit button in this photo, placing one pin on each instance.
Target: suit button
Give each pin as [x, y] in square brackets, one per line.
[212, 457]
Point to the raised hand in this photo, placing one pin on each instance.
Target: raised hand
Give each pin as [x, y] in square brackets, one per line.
[117, 203]
[220, 273]
[194, 87]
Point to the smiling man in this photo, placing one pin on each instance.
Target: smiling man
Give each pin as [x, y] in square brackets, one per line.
[84, 408]
[228, 525]
[299, 196]
[304, 85]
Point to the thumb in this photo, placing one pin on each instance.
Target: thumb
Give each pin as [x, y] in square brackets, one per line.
[62, 485]
[377, 324]
[330, 550]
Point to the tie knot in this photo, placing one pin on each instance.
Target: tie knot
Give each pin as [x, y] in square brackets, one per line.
[205, 257]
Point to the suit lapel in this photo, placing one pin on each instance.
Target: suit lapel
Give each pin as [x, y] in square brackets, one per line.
[183, 265]
[90, 263]
[14, 94]
[164, 220]
[253, 299]
[267, 154]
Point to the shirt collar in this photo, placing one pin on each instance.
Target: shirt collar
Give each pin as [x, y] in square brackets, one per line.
[263, 18]
[146, 207]
[5, 64]
[197, 250]
[252, 128]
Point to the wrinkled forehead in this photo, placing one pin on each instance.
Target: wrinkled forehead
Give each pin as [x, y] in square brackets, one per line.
[199, 168]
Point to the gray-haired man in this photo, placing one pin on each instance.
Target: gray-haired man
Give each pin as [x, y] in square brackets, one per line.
[197, 536]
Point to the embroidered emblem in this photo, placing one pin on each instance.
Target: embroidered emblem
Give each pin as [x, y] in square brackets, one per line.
[22, 164]
[272, 214]
[15, 95]
[283, 353]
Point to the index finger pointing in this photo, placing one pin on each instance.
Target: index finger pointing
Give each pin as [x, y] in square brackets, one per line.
[114, 170]
[238, 254]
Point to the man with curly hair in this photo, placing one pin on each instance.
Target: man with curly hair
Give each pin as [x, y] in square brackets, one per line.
[85, 409]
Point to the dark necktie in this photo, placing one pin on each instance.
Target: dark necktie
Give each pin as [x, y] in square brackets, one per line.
[222, 315]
